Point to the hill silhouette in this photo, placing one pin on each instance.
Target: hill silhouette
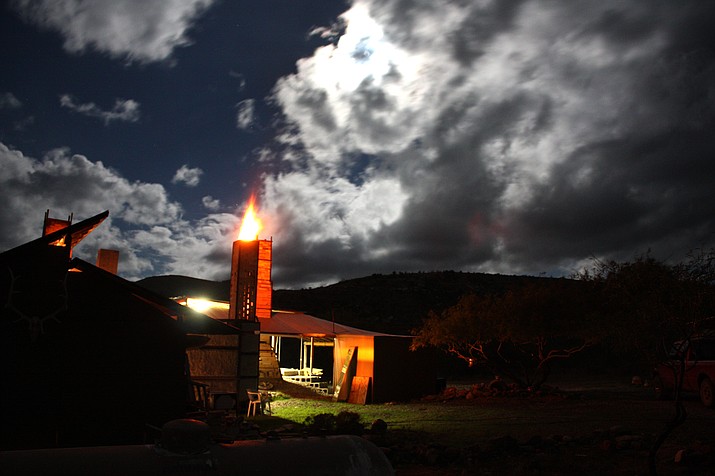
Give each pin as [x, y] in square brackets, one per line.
[175, 286]
[393, 303]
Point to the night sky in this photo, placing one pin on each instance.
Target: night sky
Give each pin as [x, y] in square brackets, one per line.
[516, 137]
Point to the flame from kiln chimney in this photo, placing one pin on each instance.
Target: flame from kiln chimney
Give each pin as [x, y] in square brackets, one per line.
[250, 226]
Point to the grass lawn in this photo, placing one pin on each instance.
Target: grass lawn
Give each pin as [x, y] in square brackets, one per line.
[577, 421]
[451, 423]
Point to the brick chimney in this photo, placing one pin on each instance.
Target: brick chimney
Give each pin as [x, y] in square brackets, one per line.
[250, 299]
[108, 260]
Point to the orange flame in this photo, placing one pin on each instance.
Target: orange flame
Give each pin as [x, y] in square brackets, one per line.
[250, 226]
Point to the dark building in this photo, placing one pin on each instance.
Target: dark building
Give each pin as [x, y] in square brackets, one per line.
[86, 357]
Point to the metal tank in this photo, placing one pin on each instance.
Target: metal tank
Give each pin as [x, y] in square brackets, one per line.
[186, 448]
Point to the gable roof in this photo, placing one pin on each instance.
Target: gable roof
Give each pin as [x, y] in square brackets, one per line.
[35, 251]
[189, 321]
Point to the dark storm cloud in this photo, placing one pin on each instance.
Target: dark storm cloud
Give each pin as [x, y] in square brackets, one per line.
[657, 202]
[512, 137]
[651, 187]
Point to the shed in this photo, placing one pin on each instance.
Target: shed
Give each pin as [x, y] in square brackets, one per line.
[383, 363]
[395, 372]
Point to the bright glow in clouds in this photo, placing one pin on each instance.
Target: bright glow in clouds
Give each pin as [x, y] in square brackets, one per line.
[362, 54]
[362, 93]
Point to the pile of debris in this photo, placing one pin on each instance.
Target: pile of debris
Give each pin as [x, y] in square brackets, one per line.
[495, 388]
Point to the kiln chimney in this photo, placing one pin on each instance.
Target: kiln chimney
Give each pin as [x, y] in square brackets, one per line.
[251, 287]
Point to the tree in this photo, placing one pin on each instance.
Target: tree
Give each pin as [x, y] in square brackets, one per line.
[638, 308]
[650, 305]
[518, 334]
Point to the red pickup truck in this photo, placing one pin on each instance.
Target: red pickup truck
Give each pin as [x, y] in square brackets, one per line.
[699, 353]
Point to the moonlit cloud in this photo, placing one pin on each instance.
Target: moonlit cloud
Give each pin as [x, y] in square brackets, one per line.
[144, 223]
[9, 101]
[519, 137]
[240, 78]
[361, 94]
[188, 176]
[23, 124]
[125, 110]
[245, 115]
[211, 203]
[132, 29]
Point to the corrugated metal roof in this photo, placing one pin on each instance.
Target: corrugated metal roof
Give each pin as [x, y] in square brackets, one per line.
[295, 323]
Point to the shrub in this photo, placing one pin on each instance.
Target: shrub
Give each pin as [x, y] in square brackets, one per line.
[348, 423]
[321, 423]
[345, 423]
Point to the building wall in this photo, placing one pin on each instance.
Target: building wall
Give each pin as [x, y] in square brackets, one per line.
[397, 373]
[108, 367]
[401, 374]
[229, 363]
[365, 355]
[215, 363]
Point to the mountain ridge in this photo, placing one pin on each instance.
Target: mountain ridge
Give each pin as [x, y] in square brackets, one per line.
[393, 303]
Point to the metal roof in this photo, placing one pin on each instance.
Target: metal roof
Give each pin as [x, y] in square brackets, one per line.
[293, 323]
[300, 324]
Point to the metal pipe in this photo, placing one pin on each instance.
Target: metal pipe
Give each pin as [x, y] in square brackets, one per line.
[300, 360]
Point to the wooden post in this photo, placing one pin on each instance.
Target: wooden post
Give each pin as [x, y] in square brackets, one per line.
[342, 389]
